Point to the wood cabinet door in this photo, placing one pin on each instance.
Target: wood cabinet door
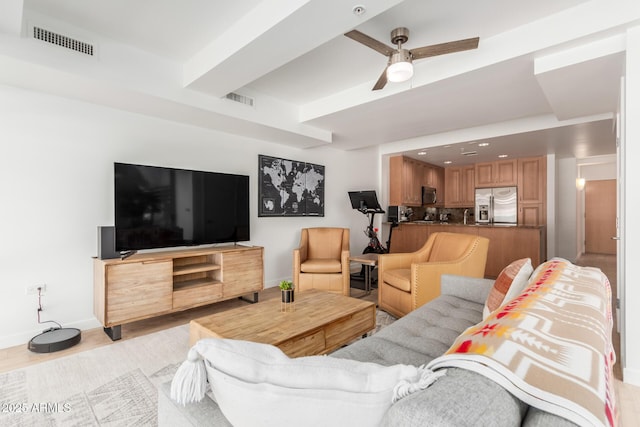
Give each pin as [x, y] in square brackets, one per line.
[532, 180]
[484, 174]
[452, 185]
[396, 176]
[531, 214]
[137, 290]
[412, 174]
[506, 173]
[439, 183]
[468, 188]
[242, 272]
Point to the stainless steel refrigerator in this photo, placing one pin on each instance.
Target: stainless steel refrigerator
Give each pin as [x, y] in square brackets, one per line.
[497, 205]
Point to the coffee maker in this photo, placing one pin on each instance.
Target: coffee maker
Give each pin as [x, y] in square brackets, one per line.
[397, 214]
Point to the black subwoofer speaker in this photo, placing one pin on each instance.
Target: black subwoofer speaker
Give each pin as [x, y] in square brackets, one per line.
[107, 242]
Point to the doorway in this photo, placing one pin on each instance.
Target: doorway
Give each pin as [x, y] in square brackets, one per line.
[600, 205]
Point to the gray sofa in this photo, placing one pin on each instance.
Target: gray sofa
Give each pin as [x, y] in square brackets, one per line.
[460, 398]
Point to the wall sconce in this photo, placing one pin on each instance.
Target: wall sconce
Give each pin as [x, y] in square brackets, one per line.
[580, 184]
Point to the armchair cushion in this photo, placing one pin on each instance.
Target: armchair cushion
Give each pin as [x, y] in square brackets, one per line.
[321, 266]
[399, 278]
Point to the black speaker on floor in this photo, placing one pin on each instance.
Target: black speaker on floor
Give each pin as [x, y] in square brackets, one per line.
[107, 242]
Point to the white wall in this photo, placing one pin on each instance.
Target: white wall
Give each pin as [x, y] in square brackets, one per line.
[566, 200]
[56, 184]
[631, 226]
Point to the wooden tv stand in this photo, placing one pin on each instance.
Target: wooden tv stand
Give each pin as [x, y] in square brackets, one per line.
[152, 284]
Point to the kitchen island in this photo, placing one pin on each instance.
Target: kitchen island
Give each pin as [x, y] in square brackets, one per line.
[506, 243]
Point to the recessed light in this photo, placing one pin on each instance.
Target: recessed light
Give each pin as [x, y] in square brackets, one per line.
[502, 156]
[359, 10]
[422, 153]
[483, 144]
[447, 162]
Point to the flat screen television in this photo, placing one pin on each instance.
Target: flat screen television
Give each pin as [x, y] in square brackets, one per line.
[157, 207]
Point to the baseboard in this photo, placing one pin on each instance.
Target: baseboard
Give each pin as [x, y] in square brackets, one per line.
[23, 337]
[631, 376]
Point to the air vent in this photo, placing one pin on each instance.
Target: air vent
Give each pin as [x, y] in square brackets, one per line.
[236, 97]
[470, 153]
[62, 41]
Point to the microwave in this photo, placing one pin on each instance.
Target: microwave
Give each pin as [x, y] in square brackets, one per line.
[429, 196]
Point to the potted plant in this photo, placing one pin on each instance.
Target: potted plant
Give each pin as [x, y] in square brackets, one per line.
[286, 287]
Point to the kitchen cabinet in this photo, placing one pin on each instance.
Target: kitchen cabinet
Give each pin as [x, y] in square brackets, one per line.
[501, 173]
[434, 176]
[407, 176]
[459, 183]
[532, 190]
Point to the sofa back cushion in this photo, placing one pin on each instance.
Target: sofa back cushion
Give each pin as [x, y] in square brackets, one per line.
[510, 283]
[325, 243]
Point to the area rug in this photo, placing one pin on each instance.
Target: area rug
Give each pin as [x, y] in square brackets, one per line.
[114, 385]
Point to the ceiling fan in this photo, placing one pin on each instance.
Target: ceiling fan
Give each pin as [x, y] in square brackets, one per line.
[399, 67]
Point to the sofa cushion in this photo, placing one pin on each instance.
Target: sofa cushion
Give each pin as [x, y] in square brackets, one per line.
[459, 398]
[515, 275]
[420, 336]
[257, 384]
[399, 278]
[321, 266]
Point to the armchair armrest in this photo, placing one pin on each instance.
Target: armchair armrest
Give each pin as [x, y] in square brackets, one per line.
[394, 261]
[425, 279]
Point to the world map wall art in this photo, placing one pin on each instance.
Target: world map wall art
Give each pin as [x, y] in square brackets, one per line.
[289, 188]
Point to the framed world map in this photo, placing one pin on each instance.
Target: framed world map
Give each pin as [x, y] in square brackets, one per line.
[289, 188]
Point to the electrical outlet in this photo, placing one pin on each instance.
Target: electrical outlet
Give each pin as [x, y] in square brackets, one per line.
[33, 290]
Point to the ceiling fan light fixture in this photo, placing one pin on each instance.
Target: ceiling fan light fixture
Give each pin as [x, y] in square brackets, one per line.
[400, 67]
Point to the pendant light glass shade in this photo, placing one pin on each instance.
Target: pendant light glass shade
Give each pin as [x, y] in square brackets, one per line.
[400, 68]
[400, 72]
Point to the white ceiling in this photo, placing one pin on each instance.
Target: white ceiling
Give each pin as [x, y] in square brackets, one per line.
[544, 79]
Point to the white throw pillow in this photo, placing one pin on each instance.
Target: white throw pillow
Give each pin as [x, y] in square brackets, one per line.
[257, 384]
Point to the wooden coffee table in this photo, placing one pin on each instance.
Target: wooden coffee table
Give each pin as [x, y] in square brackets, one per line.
[320, 323]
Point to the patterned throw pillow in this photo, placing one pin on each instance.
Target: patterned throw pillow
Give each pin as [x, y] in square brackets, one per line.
[511, 281]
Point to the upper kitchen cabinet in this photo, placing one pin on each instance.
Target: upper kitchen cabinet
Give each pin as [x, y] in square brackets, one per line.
[434, 176]
[532, 190]
[459, 184]
[407, 176]
[501, 173]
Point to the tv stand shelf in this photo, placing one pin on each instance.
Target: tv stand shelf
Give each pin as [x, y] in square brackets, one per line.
[151, 284]
[195, 268]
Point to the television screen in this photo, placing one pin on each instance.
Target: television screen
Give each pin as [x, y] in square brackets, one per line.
[159, 207]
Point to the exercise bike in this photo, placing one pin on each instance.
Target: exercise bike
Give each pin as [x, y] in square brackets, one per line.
[366, 202]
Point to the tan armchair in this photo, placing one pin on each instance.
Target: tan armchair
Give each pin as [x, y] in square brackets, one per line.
[322, 260]
[408, 280]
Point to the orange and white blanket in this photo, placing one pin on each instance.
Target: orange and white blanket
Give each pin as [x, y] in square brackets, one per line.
[551, 346]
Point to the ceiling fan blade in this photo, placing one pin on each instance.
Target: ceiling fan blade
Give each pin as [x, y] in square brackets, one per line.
[382, 80]
[444, 48]
[370, 42]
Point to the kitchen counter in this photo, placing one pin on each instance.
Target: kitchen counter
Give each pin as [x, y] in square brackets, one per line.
[471, 224]
[506, 242]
